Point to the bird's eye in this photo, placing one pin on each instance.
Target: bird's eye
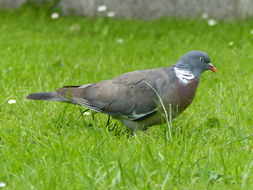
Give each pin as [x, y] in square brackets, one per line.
[201, 58]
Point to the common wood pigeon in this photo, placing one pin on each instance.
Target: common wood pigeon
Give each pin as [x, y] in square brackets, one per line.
[136, 98]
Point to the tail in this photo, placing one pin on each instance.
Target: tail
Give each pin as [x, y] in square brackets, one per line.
[49, 96]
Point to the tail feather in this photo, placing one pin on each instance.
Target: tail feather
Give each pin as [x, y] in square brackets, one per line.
[49, 96]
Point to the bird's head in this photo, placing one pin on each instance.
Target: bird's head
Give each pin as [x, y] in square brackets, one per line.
[196, 62]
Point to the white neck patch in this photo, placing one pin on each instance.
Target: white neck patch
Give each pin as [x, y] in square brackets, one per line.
[184, 76]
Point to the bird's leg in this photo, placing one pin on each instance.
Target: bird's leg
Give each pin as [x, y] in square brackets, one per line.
[108, 121]
[82, 112]
[112, 128]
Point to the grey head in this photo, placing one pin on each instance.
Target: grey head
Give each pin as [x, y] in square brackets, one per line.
[195, 62]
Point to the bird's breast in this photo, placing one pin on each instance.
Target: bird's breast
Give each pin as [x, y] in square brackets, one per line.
[185, 93]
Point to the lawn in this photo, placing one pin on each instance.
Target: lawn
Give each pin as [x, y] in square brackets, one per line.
[46, 145]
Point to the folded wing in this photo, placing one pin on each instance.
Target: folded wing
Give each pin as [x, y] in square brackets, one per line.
[127, 95]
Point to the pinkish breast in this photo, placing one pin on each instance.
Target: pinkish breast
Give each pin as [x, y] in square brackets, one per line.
[185, 94]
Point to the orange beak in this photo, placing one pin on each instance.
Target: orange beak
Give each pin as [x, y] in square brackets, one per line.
[212, 67]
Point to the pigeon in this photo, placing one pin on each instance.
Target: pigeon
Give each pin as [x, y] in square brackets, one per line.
[140, 99]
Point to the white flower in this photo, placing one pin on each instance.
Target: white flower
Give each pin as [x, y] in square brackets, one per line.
[12, 101]
[111, 14]
[86, 113]
[205, 16]
[231, 43]
[251, 32]
[120, 40]
[211, 22]
[55, 15]
[2, 184]
[101, 8]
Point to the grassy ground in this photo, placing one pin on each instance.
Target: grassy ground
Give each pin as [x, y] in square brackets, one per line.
[43, 145]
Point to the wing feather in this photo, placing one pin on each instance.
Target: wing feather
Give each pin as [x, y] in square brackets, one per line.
[126, 96]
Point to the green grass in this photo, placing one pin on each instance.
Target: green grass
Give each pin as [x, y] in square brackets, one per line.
[44, 146]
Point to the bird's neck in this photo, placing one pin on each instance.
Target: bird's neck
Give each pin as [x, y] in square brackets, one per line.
[185, 74]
